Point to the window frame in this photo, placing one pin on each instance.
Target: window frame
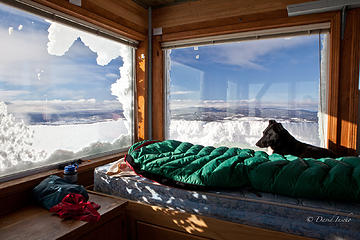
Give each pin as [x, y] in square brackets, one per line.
[74, 22]
[271, 21]
[299, 30]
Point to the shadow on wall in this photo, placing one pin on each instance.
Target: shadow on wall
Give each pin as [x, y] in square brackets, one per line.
[191, 224]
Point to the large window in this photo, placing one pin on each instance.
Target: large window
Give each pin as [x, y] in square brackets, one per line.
[224, 94]
[64, 93]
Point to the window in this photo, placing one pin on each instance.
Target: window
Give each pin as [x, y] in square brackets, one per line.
[224, 94]
[65, 94]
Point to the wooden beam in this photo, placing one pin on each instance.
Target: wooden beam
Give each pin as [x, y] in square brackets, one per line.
[208, 10]
[141, 91]
[121, 24]
[125, 12]
[334, 74]
[348, 88]
[276, 19]
[158, 88]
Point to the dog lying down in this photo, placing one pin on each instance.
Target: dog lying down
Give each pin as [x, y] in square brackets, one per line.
[281, 142]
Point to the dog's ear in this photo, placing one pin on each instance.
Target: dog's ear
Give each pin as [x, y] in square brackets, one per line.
[279, 127]
[272, 122]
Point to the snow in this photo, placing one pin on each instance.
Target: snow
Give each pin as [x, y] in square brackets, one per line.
[24, 147]
[75, 137]
[243, 132]
[16, 141]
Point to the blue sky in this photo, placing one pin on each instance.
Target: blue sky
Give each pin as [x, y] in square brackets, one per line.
[28, 72]
[271, 70]
[275, 70]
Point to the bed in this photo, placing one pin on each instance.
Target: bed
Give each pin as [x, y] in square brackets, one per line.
[324, 219]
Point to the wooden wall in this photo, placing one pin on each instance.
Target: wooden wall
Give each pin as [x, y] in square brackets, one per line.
[208, 18]
[348, 98]
[211, 17]
[123, 17]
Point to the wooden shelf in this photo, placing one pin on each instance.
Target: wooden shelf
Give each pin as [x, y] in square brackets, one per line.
[34, 222]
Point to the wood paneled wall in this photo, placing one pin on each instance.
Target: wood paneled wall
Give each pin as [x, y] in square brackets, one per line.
[195, 13]
[208, 18]
[348, 98]
[124, 17]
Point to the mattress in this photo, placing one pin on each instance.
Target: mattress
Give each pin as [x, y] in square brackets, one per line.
[310, 218]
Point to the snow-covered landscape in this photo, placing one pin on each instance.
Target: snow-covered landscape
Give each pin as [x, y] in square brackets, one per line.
[65, 94]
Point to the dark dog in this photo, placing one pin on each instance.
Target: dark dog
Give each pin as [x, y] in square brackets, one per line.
[280, 140]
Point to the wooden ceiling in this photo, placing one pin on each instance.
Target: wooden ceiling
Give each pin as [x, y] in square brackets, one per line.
[159, 3]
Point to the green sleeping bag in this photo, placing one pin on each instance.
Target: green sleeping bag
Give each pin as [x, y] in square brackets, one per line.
[182, 164]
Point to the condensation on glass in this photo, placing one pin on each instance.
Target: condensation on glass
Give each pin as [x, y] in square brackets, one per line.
[64, 93]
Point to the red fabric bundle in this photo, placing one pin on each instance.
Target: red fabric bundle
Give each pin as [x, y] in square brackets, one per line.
[75, 206]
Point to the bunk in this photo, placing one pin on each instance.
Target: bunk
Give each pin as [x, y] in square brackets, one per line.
[313, 218]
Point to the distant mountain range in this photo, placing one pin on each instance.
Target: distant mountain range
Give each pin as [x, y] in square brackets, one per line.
[208, 114]
[82, 117]
[218, 114]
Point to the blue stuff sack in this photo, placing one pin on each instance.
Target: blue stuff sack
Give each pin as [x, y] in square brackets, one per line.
[53, 189]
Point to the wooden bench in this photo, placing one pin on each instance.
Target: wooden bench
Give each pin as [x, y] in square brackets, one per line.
[34, 222]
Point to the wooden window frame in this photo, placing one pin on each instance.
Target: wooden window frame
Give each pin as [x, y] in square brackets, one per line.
[342, 119]
[15, 194]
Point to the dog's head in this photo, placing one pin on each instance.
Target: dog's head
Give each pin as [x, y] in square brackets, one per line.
[271, 135]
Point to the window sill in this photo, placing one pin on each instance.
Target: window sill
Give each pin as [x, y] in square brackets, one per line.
[17, 193]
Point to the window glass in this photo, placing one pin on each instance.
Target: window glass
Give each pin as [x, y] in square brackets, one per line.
[225, 94]
[64, 94]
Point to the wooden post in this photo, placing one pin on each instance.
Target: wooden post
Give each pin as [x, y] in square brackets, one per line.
[348, 87]
[141, 92]
[158, 89]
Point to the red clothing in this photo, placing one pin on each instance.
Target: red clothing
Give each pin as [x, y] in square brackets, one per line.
[75, 206]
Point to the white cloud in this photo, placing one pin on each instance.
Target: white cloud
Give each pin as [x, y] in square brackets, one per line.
[24, 61]
[249, 54]
[112, 75]
[183, 92]
[7, 95]
[178, 104]
[62, 106]
[20, 55]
